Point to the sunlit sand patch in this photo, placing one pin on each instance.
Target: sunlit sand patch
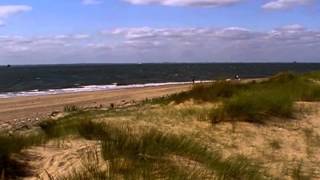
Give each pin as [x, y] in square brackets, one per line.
[59, 157]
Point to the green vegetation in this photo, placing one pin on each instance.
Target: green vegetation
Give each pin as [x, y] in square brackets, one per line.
[299, 174]
[255, 106]
[208, 92]
[275, 144]
[10, 145]
[71, 108]
[313, 75]
[11, 167]
[254, 101]
[149, 155]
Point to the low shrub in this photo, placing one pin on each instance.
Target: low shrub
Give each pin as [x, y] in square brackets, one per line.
[71, 108]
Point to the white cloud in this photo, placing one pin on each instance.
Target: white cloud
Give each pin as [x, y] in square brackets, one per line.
[81, 36]
[285, 4]
[91, 2]
[186, 2]
[287, 43]
[8, 10]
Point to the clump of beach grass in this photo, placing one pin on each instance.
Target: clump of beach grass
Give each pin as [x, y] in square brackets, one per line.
[299, 173]
[10, 167]
[275, 144]
[71, 108]
[255, 106]
[148, 154]
[207, 92]
[13, 144]
[254, 102]
[315, 75]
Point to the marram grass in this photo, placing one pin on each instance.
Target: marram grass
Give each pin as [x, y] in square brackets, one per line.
[254, 101]
[148, 155]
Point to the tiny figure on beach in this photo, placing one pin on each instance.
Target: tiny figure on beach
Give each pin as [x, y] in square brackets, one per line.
[237, 77]
[8, 66]
[193, 80]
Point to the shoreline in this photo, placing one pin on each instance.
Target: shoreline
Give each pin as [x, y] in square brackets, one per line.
[25, 111]
[90, 88]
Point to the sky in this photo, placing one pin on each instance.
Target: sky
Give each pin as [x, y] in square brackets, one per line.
[149, 31]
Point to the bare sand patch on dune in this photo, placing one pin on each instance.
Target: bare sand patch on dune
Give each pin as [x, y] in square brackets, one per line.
[59, 157]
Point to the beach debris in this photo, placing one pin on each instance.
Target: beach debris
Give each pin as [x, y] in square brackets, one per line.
[10, 133]
[25, 126]
[54, 113]
[237, 77]
[5, 126]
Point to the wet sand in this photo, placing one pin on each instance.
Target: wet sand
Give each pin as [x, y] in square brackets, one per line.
[39, 107]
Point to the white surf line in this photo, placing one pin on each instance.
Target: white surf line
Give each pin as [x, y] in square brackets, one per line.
[90, 88]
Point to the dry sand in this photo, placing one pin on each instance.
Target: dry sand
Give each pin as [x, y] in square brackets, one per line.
[29, 109]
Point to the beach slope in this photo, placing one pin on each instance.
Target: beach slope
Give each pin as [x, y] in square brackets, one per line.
[32, 108]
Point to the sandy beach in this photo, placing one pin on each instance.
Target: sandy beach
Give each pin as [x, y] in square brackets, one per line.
[17, 109]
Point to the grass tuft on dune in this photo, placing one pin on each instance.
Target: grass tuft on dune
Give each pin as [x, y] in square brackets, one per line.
[254, 101]
[149, 155]
[10, 167]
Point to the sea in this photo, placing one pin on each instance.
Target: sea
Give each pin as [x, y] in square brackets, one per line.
[35, 80]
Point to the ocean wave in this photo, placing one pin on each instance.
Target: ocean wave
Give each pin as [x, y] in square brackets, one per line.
[89, 88]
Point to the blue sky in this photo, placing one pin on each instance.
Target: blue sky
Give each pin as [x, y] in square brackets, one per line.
[117, 31]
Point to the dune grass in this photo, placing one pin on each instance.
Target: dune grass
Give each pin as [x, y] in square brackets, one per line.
[205, 92]
[313, 75]
[253, 101]
[150, 154]
[153, 154]
[255, 106]
[71, 108]
[10, 167]
[275, 97]
[299, 173]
